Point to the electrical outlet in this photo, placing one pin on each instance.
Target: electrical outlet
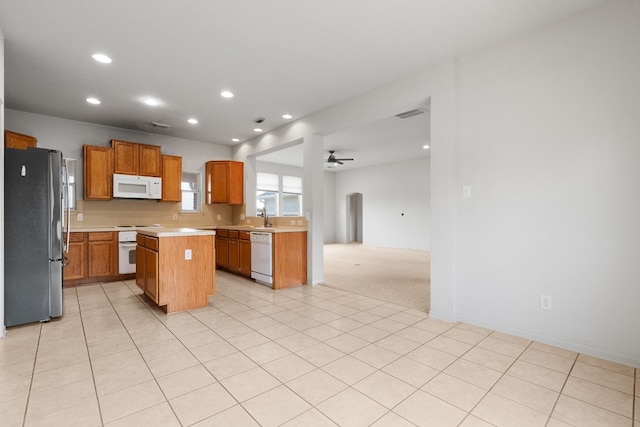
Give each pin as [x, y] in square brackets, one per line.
[298, 222]
[545, 302]
[218, 217]
[79, 217]
[187, 254]
[241, 217]
[293, 222]
[466, 192]
[175, 217]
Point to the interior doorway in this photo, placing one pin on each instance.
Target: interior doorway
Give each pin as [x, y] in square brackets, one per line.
[354, 218]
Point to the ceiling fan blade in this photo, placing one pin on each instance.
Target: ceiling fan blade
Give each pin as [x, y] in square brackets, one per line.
[345, 159]
[339, 162]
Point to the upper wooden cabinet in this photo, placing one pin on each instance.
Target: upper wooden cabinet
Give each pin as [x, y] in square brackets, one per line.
[132, 158]
[18, 140]
[98, 173]
[171, 178]
[224, 182]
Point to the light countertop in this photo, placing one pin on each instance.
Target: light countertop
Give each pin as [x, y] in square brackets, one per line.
[162, 229]
[174, 232]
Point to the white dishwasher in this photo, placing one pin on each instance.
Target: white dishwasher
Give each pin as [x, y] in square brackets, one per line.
[262, 258]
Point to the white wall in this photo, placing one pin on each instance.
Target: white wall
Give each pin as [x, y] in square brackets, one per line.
[70, 135]
[549, 141]
[329, 180]
[396, 204]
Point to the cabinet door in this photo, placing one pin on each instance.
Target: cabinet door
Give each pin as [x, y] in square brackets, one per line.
[171, 178]
[140, 266]
[150, 160]
[103, 254]
[126, 157]
[75, 258]
[222, 252]
[98, 173]
[151, 274]
[18, 140]
[245, 257]
[234, 255]
[224, 182]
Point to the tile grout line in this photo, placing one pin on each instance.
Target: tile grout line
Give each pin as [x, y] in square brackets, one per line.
[33, 373]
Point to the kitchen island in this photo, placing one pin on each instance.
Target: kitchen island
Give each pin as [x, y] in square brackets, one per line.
[174, 266]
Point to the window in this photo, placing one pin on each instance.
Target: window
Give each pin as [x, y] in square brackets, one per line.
[291, 196]
[267, 193]
[280, 195]
[190, 191]
[70, 190]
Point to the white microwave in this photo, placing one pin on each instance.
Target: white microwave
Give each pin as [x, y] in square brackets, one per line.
[137, 187]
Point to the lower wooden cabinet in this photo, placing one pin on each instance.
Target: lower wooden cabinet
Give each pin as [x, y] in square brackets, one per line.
[90, 257]
[103, 254]
[75, 267]
[147, 266]
[233, 251]
[169, 277]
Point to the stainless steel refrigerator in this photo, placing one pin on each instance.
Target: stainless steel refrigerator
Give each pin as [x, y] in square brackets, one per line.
[33, 230]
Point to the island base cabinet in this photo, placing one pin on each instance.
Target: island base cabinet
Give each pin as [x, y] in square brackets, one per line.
[289, 259]
[177, 273]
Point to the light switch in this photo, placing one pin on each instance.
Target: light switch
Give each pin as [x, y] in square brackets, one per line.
[187, 254]
[218, 217]
[79, 217]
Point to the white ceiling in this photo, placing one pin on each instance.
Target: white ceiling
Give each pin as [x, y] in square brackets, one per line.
[277, 56]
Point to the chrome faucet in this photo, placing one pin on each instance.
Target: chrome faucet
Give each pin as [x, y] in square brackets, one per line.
[265, 216]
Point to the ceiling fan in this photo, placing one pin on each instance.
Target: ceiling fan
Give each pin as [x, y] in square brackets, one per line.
[332, 161]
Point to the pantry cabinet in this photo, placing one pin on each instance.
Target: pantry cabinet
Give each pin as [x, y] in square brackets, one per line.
[171, 178]
[18, 140]
[132, 158]
[224, 182]
[98, 172]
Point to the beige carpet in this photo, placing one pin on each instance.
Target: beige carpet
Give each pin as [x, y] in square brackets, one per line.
[398, 276]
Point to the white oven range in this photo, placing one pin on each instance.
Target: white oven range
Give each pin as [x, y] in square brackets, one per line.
[127, 252]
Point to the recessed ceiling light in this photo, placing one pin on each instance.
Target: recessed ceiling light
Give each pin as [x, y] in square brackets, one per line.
[101, 57]
[152, 102]
[193, 121]
[426, 147]
[94, 101]
[235, 140]
[226, 94]
[287, 116]
[257, 130]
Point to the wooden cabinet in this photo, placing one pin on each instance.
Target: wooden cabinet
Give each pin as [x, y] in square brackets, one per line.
[170, 278]
[233, 251]
[18, 140]
[245, 254]
[289, 259]
[75, 258]
[147, 265]
[222, 248]
[132, 158]
[171, 179]
[102, 254]
[98, 172]
[224, 182]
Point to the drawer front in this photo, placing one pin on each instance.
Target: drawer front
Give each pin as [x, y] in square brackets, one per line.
[76, 237]
[151, 243]
[222, 233]
[105, 236]
[233, 234]
[140, 239]
[245, 235]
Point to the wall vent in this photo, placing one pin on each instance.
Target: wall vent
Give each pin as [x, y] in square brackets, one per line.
[410, 113]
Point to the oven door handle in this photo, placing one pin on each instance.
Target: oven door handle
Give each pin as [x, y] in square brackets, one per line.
[127, 244]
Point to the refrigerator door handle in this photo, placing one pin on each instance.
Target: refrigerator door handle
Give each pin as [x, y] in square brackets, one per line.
[68, 222]
[65, 261]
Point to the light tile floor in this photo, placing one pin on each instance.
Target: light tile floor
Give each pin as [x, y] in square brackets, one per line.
[305, 356]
